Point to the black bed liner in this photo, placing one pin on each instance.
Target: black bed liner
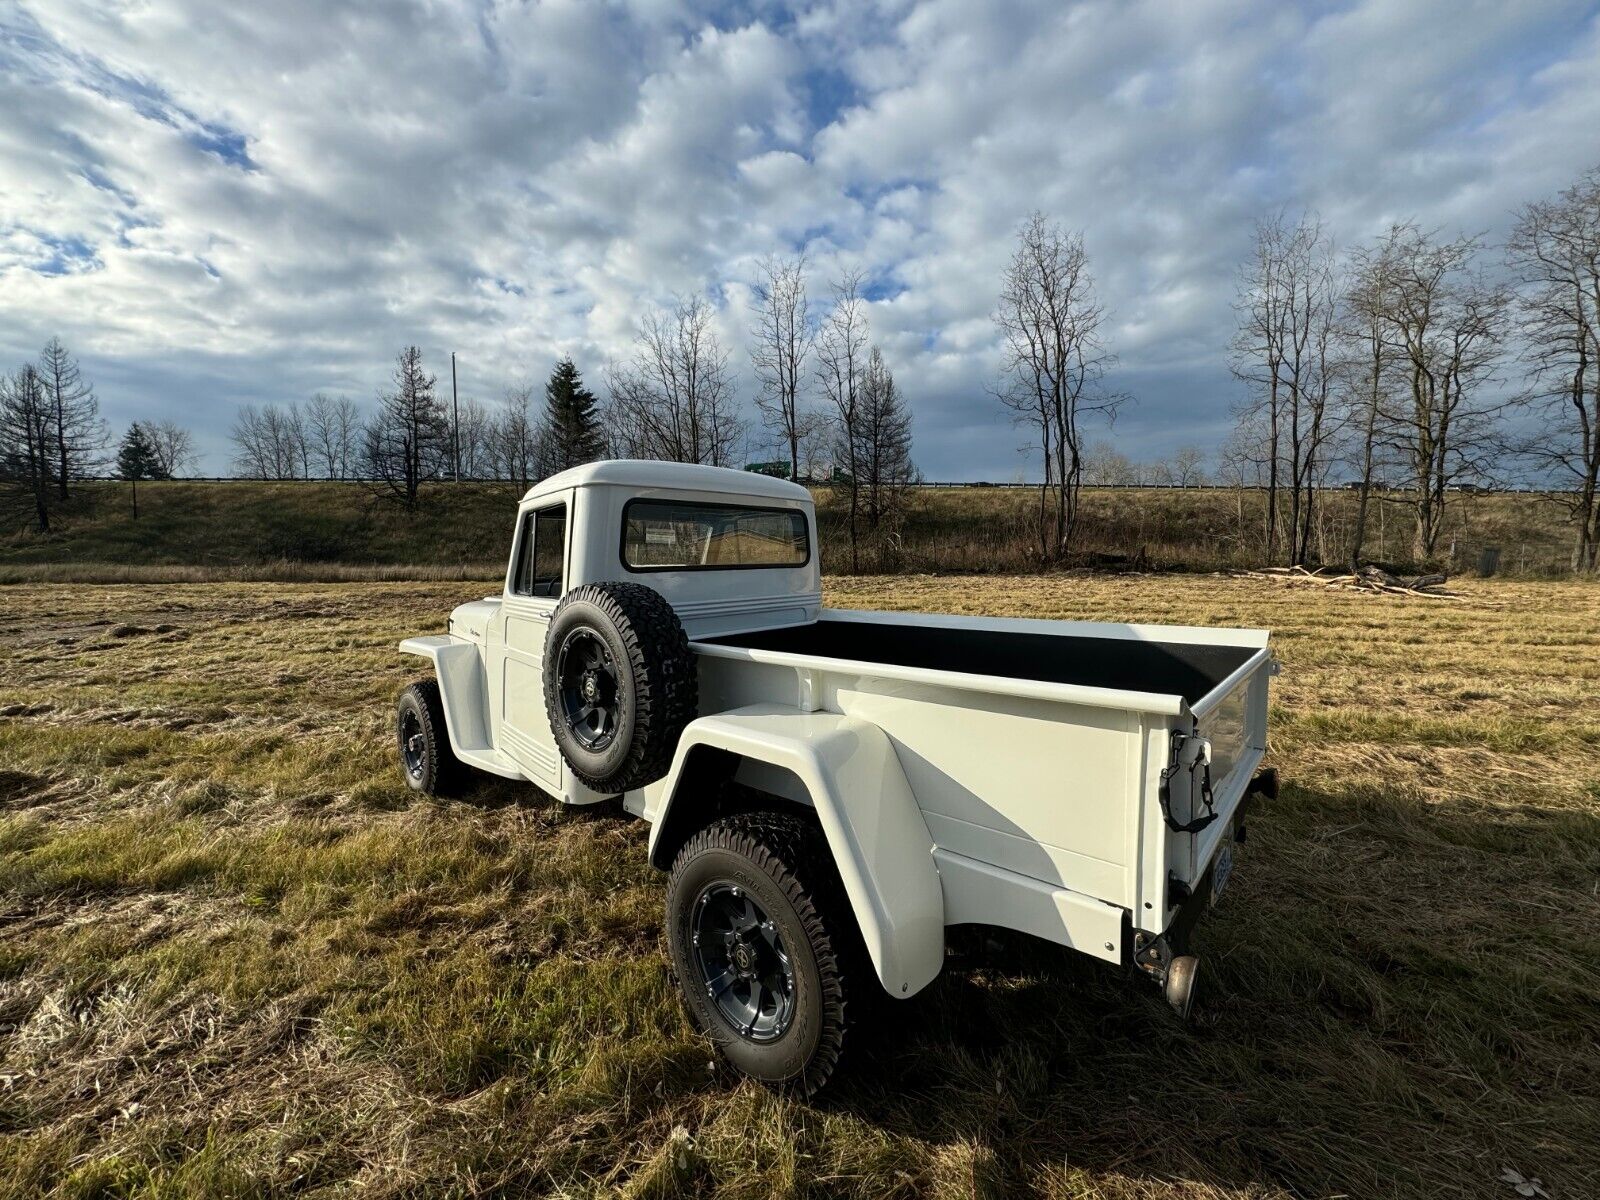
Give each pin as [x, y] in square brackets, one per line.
[1163, 668]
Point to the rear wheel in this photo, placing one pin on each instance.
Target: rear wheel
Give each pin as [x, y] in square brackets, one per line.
[426, 760]
[762, 941]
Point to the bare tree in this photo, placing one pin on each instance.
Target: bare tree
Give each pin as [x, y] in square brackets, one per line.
[270, 442]
[299, 435]
[1374, 356]
[171, 447]
[784, 339]
[1242, 466]
[1055, 363]
[1285, 350]
[1105, 466]
[1313, 420]
[841, 350]
[472, 439]
[1258, 350]
[1450, 325]
[333, 429]
[1188, 467]
[79, 435]
[674, 400]
[251, 456]
[27, 445]
[816, 449]
[1555, 251]
[407, 441]
[517, 442]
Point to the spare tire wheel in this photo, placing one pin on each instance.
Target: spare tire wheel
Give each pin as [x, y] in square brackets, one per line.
[620, 684]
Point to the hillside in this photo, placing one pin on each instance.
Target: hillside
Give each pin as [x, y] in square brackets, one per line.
[318, 529]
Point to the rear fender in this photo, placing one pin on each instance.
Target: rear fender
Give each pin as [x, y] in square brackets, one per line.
[868, 814]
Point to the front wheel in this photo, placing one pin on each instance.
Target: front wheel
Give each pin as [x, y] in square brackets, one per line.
[426, 760]
[760, 936]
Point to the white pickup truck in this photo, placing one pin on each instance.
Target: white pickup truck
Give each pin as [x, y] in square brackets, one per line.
[833, 790]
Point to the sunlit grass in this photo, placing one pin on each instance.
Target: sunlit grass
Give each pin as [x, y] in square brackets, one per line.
[237, 957]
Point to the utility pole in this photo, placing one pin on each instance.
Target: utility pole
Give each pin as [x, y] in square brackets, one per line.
[455, 422]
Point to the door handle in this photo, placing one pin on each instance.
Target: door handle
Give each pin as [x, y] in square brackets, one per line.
[527, 611]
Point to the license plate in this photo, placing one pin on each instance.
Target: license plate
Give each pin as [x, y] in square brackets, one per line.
[1221, 868]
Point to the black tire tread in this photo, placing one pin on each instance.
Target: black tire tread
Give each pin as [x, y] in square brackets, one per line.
[444, 771]
[666, 681]
[791, 850]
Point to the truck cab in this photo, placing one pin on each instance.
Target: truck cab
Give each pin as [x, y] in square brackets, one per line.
[730, 551]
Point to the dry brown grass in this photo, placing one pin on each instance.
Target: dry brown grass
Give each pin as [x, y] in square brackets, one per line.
[193, 531]
[238, 958]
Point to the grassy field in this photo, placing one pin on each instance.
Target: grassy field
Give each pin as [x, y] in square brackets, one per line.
[238, 958]
[336, 531]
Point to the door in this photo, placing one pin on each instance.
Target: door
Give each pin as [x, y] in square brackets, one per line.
[533, 586]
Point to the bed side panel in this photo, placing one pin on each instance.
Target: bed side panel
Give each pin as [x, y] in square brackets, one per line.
[1035, 787]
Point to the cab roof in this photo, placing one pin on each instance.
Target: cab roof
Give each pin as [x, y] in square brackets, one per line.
[646, 474]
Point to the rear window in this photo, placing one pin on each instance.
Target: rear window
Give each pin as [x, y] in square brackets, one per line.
[661, 535]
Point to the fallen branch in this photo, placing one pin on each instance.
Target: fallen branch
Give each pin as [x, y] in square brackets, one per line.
[1371, 580]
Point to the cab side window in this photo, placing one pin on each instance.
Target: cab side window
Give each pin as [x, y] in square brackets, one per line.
[541, 554]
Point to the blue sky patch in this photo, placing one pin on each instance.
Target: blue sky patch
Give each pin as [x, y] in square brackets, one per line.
[66, 256]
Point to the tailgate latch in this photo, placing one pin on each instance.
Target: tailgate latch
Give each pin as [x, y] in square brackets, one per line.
[1194, 754]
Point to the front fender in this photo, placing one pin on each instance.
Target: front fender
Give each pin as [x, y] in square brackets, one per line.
[868, 814]
[464, 692]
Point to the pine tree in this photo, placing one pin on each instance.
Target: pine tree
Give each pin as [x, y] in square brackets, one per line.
[883, 432]
[575, 435]
[136, 460]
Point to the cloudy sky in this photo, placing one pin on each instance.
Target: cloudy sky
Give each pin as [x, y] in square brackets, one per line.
[218, 203]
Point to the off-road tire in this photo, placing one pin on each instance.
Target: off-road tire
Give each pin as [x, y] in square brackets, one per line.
[439, 772]
[783, 861]
[657, 683]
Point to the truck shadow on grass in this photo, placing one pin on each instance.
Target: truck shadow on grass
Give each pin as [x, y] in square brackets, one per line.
[1392, 1002]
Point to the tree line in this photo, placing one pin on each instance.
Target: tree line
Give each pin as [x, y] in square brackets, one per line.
[412, 437]
[1388, 363]
[52, 437]
[1391, 363]
[827, 398]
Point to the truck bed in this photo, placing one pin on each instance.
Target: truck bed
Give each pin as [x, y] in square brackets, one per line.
[1169, 668]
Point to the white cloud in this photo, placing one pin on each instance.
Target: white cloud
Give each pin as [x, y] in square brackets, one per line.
[221, 203]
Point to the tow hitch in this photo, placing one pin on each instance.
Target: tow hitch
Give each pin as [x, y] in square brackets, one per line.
[1176, 973]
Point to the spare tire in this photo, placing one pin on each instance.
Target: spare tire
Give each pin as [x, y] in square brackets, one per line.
[620, 684]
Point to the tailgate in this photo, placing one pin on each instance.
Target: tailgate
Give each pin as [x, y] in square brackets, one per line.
[1231, 723]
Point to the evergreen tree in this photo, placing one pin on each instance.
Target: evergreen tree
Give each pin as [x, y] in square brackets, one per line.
[575, 436]
[883, 441]
[136, 460]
